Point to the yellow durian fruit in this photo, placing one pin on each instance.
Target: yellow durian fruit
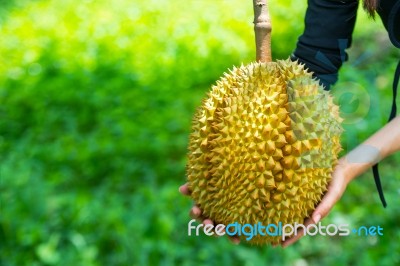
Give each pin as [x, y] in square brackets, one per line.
[263, 146]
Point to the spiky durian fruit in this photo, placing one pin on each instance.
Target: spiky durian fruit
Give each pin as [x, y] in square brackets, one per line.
[263, 145]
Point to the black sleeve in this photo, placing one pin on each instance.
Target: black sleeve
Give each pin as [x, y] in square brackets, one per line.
[389, 11]
[329, 25]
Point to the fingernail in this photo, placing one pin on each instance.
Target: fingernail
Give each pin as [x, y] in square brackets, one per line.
[317, 217]
[196, 212]
[236, 241]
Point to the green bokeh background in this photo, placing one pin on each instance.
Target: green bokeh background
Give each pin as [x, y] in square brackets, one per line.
[96, 100]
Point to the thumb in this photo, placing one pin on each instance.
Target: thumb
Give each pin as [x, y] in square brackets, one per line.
[327, 203]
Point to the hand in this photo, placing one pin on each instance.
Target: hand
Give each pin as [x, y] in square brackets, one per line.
[196, 213]
[386, 141]
[335, 191]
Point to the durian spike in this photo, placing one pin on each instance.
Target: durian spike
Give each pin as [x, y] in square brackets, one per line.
[262, 30]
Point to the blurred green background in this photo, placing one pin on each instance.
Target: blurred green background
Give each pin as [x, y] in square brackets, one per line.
[96, 100]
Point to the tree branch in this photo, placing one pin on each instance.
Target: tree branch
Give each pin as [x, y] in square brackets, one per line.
[262, 30]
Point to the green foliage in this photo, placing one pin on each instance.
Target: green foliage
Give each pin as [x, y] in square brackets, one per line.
[96, 100]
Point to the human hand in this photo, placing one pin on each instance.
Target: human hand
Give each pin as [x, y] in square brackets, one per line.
[338, 184]
[335, 191]
[196, 213]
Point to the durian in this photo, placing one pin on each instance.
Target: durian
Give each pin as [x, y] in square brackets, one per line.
[263, 146]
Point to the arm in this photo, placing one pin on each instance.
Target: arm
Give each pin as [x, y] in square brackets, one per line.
[386, 141]
[329, 25]
[380, 145]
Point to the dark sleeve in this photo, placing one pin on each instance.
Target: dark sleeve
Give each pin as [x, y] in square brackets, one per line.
[328, 29]
[389, 11]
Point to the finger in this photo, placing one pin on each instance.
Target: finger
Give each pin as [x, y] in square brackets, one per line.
[208, 221]
[293, 239]
[184, 189]
[325, 206]
[299, 234]
[219, 232]
[195, 212]
[309, 221]
[234, 240]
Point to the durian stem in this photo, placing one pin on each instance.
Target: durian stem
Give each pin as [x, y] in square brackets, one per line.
[262, 30]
